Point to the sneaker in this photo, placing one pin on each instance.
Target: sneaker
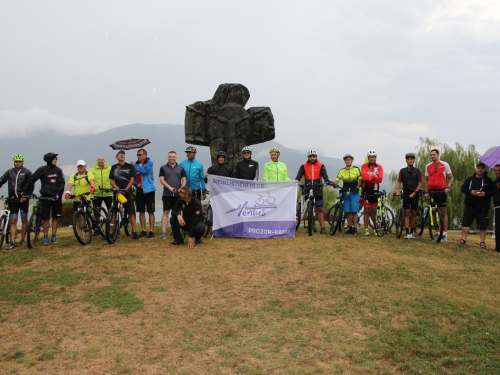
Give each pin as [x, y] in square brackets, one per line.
[96, 233]
[412, 237]
[11, 246]
[322, 231]
[135, 236]
[143, 234]
[53, 239]
[348, 231]
[407, 237]
[163, 235]
[354, 231]
[45, 240]
[198, 241]
[367, 232]
[177, 242]
[444, 238]
[151, 235]
[23, 243]
[315, 230]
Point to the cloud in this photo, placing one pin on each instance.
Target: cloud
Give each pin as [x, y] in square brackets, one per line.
[35, 119]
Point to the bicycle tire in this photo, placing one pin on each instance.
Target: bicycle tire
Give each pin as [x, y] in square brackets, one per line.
[100, 220]
[112, 225]
[336, 219]
[389, 219]
[329, 216]
[298, 213]
[400, 221]
[310, 217]
[82, 227]
[436, 224]
[420, 221]
[3, 223]
[380, 229]
[33, 229]
[208, 221]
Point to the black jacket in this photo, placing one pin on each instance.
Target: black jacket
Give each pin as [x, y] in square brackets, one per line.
[18, 181]
[247, 169]
[481, 184]
[191, 213]
[223, 170]
[52, 179]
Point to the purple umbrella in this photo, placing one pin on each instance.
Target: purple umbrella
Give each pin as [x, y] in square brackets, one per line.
[129, 143]
[491, 158]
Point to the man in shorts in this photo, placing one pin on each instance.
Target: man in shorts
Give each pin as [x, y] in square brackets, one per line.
[122, 176]
[17, 179]
[172, 177]
[372, 174]
[82, 181]
[478, 190]
[351, 178]
[314, 173]
[145, 195]
[411, 178]
[52, 180]
[436, 174]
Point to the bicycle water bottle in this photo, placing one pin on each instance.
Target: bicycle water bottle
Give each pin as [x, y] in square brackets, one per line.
[426, 209]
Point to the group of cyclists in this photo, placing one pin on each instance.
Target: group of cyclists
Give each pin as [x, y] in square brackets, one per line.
[186, 182]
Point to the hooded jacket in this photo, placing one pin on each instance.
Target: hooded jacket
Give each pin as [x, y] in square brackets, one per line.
[101, 180]
[18, 181]
[146, 171]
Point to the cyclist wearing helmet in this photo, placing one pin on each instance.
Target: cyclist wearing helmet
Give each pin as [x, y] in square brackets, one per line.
[247, 169]
[275, 170]
[313, 172]
[411, 178]
[351, 177]
[52, 180]
[372, 174]
[220, 169]
[195, 173]
[17, 179]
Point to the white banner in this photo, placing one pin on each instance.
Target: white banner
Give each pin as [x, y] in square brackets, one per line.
[254, 209]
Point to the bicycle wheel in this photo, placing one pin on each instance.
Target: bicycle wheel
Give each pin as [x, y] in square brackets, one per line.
[435, 224]
[82, 227]
[329, 216]
[336, 219]
[400, 222]
[298, 214]
[389, 219]
[100, 220]
[3, 224]
[34, 229]
[381, 228]
[310, 217]
[420, 221]
[208, 221]
[112, 225]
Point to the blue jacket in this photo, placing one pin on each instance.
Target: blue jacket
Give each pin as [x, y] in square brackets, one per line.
[195, 174]
[146, 171]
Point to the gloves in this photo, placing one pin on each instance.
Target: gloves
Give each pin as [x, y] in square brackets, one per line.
[92, 189]
[66, 195]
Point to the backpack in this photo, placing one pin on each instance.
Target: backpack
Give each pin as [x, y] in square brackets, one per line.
[86, 177]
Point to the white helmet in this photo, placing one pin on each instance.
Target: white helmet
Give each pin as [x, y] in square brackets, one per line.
[371, 153]
[246, 149]
[312, 153]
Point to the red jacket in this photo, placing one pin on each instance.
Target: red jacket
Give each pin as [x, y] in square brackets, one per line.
[372, 176]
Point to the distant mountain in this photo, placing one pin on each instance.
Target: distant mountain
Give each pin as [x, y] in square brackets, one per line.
[163, 137]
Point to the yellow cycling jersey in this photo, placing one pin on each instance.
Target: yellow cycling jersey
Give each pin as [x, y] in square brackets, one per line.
[350, 175]
[81, 185]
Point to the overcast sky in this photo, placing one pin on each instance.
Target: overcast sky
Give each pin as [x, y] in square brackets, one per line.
[339, 76]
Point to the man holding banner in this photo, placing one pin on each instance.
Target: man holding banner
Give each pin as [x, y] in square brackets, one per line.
[252, 209]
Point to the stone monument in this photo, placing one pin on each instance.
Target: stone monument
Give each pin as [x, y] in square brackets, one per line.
[223, 123]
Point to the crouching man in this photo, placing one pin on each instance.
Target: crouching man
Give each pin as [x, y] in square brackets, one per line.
[187, 215]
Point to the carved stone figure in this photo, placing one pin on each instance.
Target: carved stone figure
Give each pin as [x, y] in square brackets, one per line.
[223, 123]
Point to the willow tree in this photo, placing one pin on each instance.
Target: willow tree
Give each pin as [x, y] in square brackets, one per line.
[462, 161]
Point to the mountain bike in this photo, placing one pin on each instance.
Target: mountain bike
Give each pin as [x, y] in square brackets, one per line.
[335, 215]
[420, 214]
[5, 221]
[383, 218]
[35, 223]
[305, 209]
[400, 216]
[117, 217]
[87, 218]
[208, 218]
[433, 217]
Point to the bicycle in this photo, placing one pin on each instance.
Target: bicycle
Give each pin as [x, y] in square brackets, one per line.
[335, 215]
[208, 218]
[35, 223]
[117, 217]
[400, 216]
[87, 218]
[305, 209]
[5, 221]
[382, 220]
[433, 217]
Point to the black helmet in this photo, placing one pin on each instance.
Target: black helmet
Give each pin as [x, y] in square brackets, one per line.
[410, 155]
[49, 156]
[220, 153]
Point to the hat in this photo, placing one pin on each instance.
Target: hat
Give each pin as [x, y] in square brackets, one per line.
[80, 162]
[120, 152]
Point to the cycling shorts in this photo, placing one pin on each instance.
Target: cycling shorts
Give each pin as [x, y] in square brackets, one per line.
[370, 199]
[16, 206]
[54, 206]
[145, 201]
[410, 203]
[481, 216]
[351, 202]
[129, 206]
[318, 200]
[440, 199]
[168, 202]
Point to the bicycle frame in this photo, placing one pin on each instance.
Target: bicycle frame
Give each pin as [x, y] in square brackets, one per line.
[5, 222]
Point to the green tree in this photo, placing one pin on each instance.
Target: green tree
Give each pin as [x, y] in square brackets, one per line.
[462, 161]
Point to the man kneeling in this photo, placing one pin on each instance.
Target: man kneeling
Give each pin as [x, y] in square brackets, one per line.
[187, 215]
